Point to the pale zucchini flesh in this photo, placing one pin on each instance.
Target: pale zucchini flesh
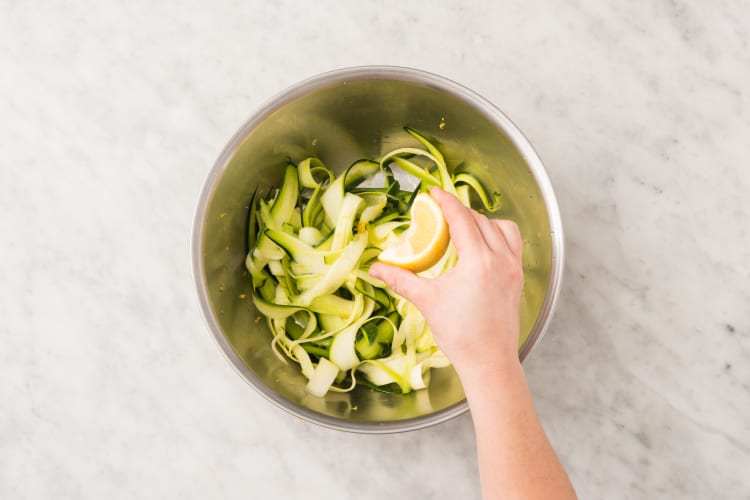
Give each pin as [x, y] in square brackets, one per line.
[311, 242]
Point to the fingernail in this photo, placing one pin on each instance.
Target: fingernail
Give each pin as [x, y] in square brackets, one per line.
[375, 272]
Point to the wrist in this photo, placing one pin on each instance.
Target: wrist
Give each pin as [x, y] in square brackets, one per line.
[478, 377]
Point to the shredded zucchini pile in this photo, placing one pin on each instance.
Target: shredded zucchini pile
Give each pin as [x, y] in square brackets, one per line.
[311, 243]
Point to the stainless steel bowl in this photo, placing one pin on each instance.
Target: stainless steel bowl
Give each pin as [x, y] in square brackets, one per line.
[340, 117]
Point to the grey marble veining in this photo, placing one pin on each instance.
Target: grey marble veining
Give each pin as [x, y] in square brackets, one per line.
[111, 114]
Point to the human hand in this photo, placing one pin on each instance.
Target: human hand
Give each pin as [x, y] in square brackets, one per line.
[473, 309]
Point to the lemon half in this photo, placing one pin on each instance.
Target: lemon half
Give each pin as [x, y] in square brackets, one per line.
[426, 240]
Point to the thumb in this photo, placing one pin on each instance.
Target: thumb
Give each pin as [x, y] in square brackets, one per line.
[405, 283]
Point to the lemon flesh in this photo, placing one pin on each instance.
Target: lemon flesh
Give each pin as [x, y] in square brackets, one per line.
[426, 240]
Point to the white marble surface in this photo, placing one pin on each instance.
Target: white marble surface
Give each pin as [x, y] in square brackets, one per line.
[112, 112]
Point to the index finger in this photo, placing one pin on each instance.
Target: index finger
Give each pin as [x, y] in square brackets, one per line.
[461, 224]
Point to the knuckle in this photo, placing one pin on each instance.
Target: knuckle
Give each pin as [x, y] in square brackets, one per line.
[395, 283]
[400, 284]
[487, 262]
[515, 273]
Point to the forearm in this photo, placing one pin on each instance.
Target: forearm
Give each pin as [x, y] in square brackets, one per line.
[515, 458]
